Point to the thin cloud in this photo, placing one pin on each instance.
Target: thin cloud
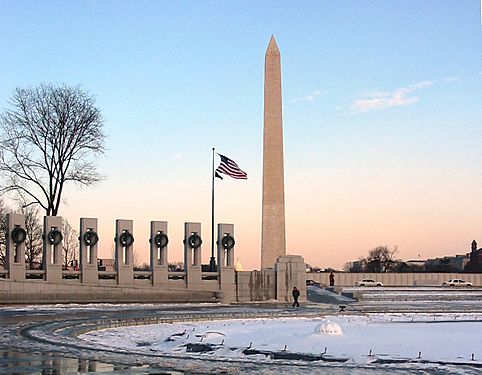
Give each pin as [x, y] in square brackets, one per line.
[386, 99]
[420, 85]
[451, 79]
[310, 97]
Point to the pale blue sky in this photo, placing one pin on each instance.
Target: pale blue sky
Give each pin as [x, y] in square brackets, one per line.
[382, 114]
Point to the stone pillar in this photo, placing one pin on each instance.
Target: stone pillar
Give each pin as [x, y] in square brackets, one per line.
[52, 249]
[15, 253]
[273, 240]
[88, 250]
[192, 255]
[158, 245]
[225, 243]
[124, 256]
[290, 272]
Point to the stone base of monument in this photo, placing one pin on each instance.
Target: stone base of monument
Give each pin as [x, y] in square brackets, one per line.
[273, 284]
[290, 272]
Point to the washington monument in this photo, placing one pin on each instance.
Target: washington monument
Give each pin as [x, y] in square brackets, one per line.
[273, 239]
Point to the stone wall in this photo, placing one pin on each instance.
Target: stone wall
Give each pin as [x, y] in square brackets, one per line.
[256, 285]
[290, 272]
[23, 292]
[273, 284]
[395, 279]
[247, 286]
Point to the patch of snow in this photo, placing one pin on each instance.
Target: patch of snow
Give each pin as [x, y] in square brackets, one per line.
[323, 293]
[328, 328]
[360, 339]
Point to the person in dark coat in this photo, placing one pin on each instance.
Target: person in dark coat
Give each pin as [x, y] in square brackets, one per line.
[296, 294]
[332, 279]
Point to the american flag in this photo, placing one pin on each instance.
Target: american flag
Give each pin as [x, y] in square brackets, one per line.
[229, 167]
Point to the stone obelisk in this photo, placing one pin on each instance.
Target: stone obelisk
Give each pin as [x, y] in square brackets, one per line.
[273, 239]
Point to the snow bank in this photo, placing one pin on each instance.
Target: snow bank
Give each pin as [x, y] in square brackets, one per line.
[360, 339]
[328, 328]
[319, 295]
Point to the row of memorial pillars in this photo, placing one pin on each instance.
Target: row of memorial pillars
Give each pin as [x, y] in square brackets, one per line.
[225, 257]
[159, 254]
[124, 239]
[51, 252]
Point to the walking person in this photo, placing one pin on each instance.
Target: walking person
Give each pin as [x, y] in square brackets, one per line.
[296, 294]
[332, 279]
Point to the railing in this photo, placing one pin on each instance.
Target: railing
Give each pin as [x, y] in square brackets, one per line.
[71, 275]
[210, 276]
[176, 275]
[35, 274]
[107, 275]
[142, 275]
[111, 277]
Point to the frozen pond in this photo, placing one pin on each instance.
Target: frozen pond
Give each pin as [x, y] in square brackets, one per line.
[155, 338]
[449, 338]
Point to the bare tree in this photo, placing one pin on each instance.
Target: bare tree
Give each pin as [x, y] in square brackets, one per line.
[33, 241]
[136, 261]
[348, 266]
[381, 259]
[49, 135]
[70, 244]
[143, 267]
[175, 266]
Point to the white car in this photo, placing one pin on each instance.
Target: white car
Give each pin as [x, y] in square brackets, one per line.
[456, 282]
[368, 282]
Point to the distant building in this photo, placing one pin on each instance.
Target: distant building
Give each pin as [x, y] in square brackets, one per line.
[357, 266]
[475, 259]
[106, 264]
[310, 268]
[416, 264]
[469, 262]
[238, 267]
[454, 263]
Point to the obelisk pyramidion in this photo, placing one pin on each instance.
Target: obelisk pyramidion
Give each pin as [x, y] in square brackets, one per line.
[273, 240]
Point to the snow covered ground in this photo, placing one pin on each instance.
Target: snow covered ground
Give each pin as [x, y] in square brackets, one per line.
[383, 334]
[359, 339]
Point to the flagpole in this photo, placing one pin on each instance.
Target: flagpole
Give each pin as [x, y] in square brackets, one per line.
[212, 261]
